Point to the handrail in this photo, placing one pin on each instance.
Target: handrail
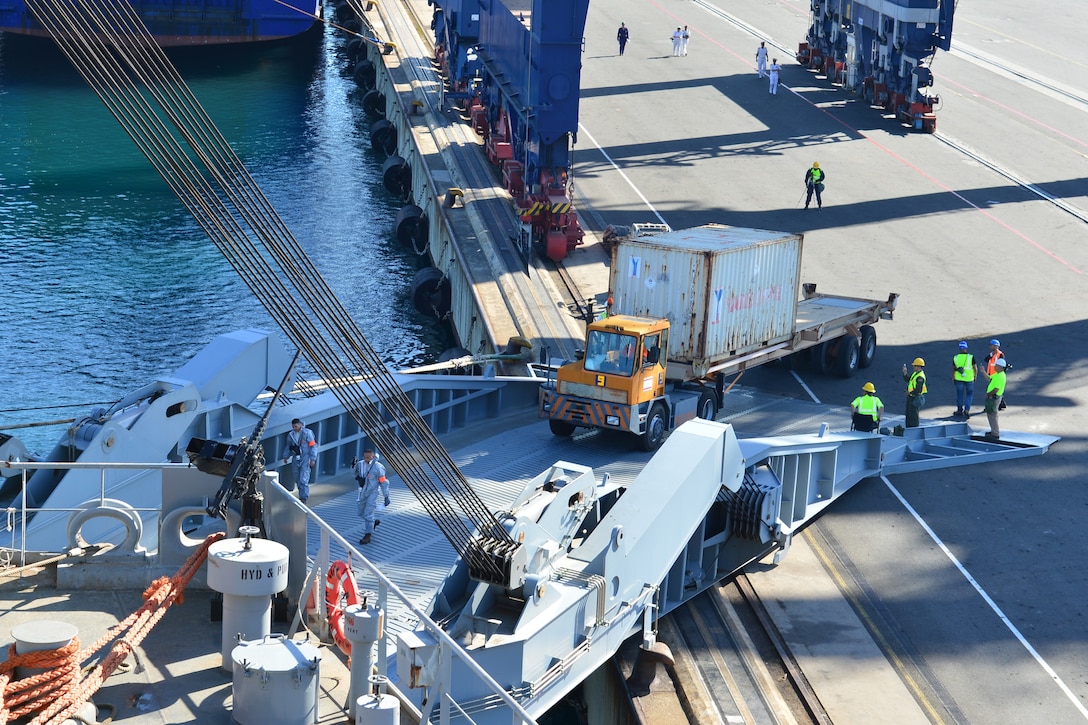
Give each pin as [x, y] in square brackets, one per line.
[103, 466]
[327, 536]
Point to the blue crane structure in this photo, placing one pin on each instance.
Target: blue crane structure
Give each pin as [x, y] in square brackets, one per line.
[881, 49]
[516, 68]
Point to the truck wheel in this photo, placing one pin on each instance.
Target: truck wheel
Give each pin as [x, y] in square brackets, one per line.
[868, 346]
[656, 424]
[847, 356]
[561, 427]
[708, 405]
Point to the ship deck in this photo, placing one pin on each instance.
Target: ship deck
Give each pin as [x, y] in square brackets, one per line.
[175, 675]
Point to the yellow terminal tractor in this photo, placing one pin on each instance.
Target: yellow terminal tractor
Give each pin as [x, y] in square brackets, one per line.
[696, 305]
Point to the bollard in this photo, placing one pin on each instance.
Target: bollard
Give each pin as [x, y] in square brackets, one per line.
[452, 195]
[248, 572]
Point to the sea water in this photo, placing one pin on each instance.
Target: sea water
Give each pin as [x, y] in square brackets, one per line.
[107, 282]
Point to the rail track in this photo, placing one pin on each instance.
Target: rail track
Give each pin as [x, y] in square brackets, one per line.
[742, 668]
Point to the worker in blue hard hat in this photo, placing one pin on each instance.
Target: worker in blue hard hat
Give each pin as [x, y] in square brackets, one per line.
[995, 391]
[916, 390]
[964, 372]
[866, 410]
[991, 363]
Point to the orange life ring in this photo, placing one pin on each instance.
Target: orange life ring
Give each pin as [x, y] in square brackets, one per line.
[340, 585]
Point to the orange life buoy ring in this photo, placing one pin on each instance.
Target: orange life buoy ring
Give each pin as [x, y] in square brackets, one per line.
[340, 585]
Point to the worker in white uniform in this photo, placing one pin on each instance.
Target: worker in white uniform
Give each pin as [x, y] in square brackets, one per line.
[773, 72]
[761, 59]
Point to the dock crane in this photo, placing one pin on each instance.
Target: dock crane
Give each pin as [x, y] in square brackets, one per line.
[882, 50]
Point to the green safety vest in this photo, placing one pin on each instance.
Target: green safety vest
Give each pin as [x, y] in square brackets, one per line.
[868, 405]
[997, 384]
[966, 361]
[917, 380]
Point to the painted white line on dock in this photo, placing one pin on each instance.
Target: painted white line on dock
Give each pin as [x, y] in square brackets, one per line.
[989, 601]
[806, 387]
[620, 172]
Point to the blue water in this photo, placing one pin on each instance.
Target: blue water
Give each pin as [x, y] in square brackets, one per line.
[106, 280]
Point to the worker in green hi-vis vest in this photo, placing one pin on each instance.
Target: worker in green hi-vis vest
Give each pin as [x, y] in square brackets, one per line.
[916, 390]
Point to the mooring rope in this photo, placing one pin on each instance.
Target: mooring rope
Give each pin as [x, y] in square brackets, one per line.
[108, 45]
[56, 694]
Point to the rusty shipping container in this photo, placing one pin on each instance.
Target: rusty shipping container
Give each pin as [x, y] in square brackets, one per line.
[725, 290]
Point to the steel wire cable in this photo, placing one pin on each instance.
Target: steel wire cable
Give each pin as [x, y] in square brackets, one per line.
[82, 32]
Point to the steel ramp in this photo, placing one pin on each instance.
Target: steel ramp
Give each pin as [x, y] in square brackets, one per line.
[944, 445]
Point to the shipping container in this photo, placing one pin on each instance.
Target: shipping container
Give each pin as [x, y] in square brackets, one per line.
[726, 291]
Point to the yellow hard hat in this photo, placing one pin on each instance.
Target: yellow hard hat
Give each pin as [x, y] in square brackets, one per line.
[815, 164]
[869, 388]
[919, 362]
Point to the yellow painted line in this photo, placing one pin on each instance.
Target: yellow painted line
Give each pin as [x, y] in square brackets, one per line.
[874, 630]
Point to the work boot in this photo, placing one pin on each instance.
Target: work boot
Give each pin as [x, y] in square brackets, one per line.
[365, 539]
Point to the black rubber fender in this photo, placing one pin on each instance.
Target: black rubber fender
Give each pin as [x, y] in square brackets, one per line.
[431, 293]
[364, 74]
[383, 137]
[355, 49]
[407, 220]
[374, 104]
[421, 236]
[397, 176]
[348, 20]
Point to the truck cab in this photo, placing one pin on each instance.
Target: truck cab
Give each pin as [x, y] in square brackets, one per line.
[620, 383]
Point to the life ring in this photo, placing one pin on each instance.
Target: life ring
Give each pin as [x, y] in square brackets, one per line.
[340, 584]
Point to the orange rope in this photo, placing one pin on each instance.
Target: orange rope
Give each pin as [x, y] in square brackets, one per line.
[59, 692]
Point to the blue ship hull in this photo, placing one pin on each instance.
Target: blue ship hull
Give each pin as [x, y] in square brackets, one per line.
[197, 22]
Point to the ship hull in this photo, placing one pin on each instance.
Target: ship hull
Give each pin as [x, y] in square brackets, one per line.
[177, 23]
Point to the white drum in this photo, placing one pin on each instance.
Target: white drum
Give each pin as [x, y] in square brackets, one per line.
[377, 710]
[275, 682]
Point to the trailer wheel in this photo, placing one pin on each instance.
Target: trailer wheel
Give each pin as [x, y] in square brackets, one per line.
[824, 356]
[847, 356]
[654, 434]
[561, 427]
[708, 405]
[868, 346]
